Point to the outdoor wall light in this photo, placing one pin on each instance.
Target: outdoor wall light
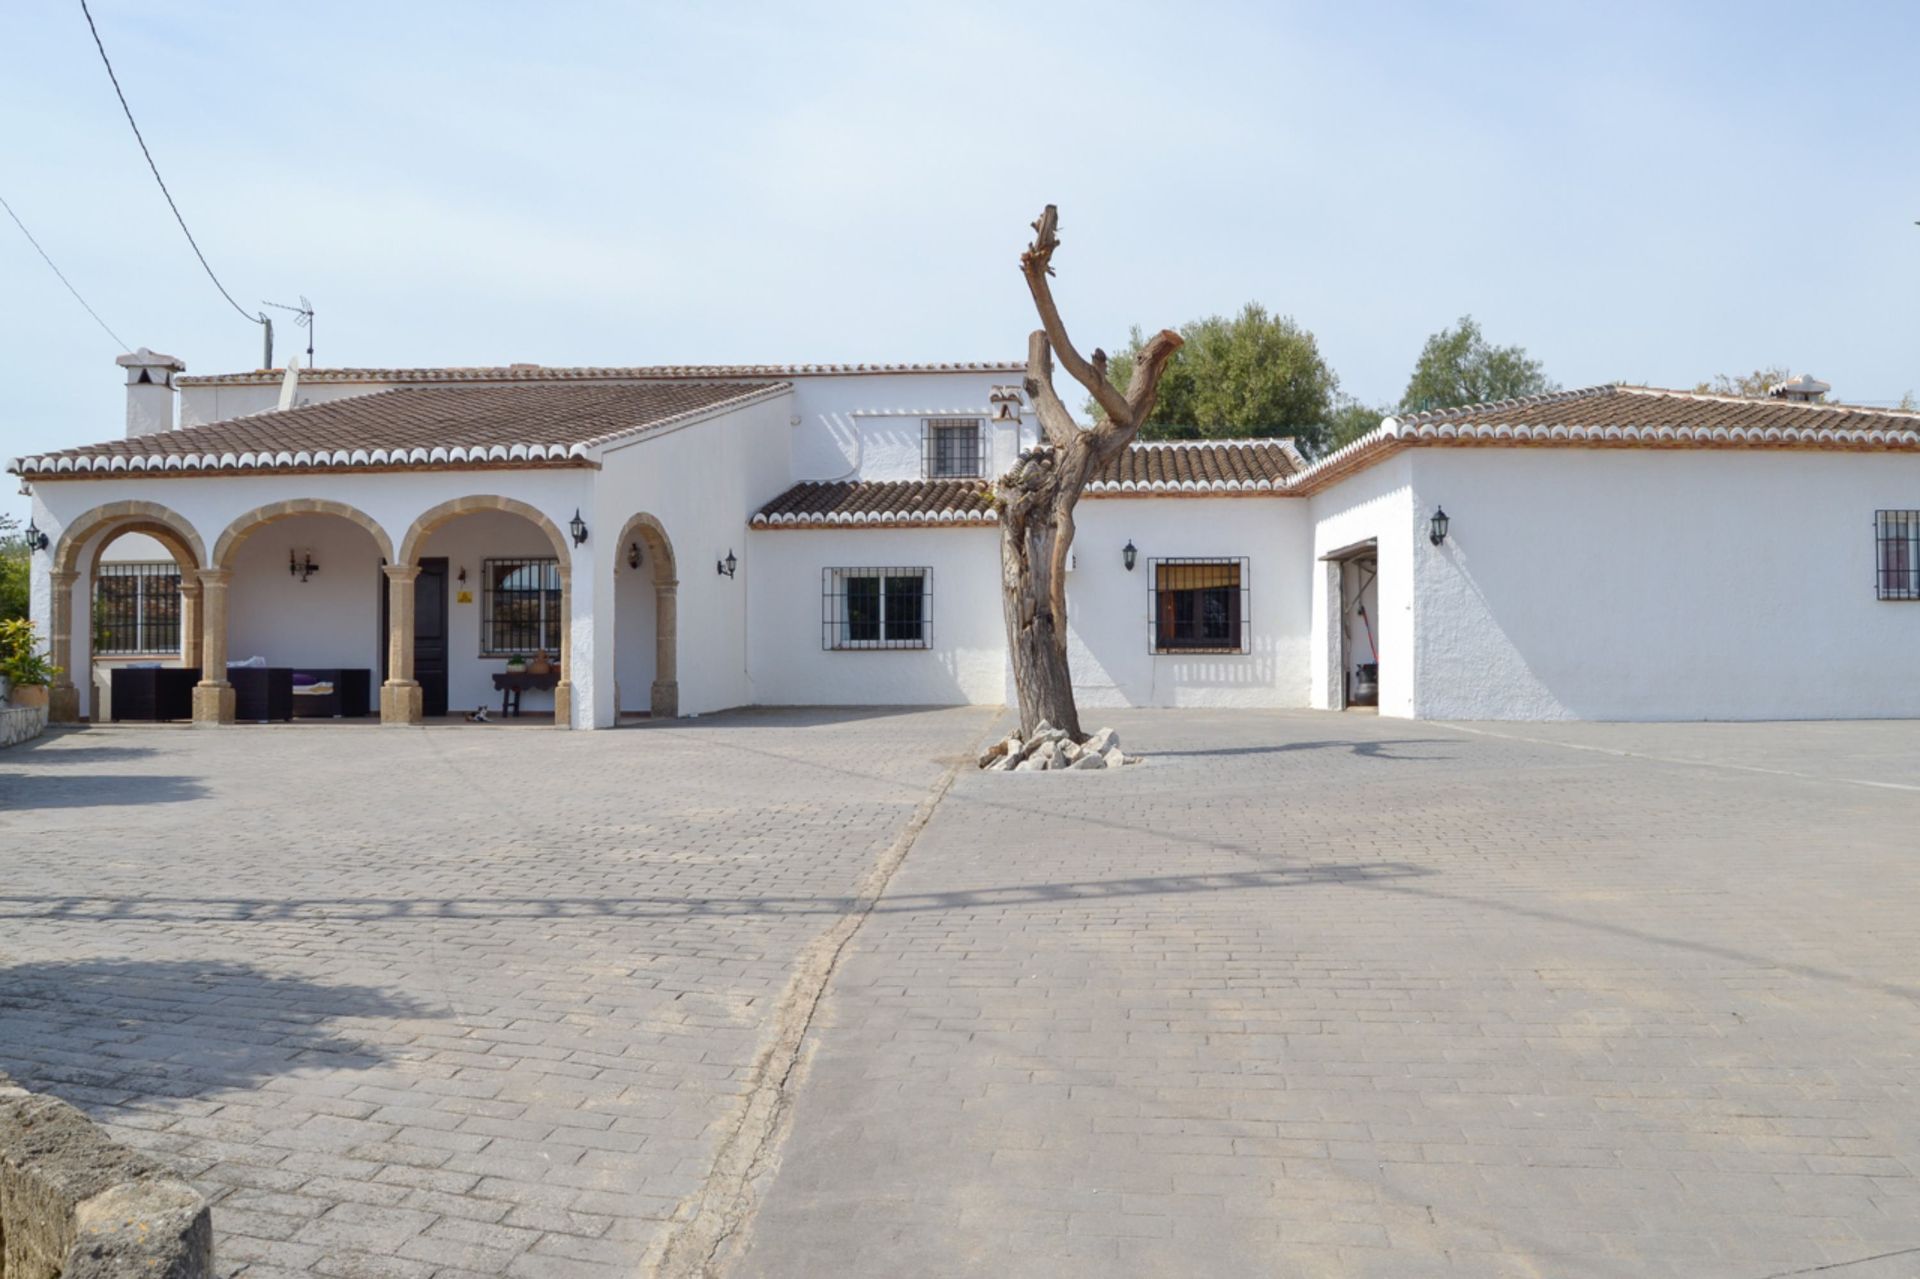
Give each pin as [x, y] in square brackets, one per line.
[726, 567]
[462, 578]
[579, 527]
[1437, 526]
[301, 565]
[633, 555]
[1128, 555]
[36, 540]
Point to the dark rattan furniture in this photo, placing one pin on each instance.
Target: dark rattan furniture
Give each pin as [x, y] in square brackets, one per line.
[154, 693]
[261, 693]
[351, 697]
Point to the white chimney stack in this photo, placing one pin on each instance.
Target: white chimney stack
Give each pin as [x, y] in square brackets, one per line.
[149, 390]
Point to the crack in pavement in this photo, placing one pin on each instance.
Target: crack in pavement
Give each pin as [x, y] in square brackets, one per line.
[711, 1222]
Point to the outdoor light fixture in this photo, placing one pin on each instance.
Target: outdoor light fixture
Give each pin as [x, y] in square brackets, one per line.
[36, 540]
[1437, 526]
[1128, 555]
[301, 565]
[726, 567]
[579, 527]
[463, 575]
[633, 555]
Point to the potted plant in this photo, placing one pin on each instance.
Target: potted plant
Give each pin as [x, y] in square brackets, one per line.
[21, 662]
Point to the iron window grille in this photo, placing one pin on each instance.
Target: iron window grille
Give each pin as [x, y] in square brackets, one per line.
[136, 609]
[876, 608]
[1199, 606]
[519, 607]
[951, 448]
[1897, 541]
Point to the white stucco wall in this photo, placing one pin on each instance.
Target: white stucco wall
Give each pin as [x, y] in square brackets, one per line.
[1108, 608]
[1643, 584]
[331, 619]
[966, 663]
[1376, 504]
[702, 483]
[869, 427]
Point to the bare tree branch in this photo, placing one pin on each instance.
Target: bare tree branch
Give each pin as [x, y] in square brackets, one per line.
[1037, 264]
[1056, 419]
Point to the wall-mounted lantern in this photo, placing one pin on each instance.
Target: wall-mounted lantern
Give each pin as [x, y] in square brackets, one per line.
[1129, 556]
[726, 567]
[579, 527]
[462, 578]
[300, 564]
[633, 555]
[36, 540]
[1437, 526]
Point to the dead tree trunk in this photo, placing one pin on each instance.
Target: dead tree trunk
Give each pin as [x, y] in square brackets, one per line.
[1036, 498]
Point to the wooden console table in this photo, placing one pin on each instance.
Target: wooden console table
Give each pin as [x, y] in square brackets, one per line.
[513, 683]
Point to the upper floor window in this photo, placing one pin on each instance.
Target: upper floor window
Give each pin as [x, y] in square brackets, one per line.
[136, 609]
[951, 448]
[519, 607]
[876, 608]
[1200, 605]
[1897, 543]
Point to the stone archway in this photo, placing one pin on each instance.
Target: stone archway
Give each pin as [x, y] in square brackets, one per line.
[176, 532]
[400, 696]
[213, 697]
[664, 694]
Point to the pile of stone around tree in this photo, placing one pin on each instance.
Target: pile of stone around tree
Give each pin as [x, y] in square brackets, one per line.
[1051, 748]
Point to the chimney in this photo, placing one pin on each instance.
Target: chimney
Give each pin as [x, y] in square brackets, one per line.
[149, 390]
[1801, 388]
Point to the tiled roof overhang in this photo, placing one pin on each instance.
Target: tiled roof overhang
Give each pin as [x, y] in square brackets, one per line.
[515, 373]
[430, 428]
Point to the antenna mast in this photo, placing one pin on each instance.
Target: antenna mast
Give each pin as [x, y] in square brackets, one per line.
[304, 318]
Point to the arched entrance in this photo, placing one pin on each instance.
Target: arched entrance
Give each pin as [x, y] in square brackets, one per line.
[466, 540]
[82, 543]
[310, 603]
[646, 620]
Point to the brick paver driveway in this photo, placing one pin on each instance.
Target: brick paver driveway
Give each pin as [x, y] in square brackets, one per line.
[1316, 996]
[1304, 995]
[432, 1002]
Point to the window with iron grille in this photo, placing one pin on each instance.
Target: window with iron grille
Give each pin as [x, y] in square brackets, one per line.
[136, 609]
[1897, 541]
[950, 448]
[862, 608]
[1199, 606]
[519, 607]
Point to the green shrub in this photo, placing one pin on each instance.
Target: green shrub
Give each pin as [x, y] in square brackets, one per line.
[20, 660]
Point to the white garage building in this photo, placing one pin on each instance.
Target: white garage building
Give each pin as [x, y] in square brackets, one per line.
[680, 540]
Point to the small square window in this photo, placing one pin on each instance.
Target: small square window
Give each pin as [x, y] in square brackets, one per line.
[519, 607]
[950, 448]
[866, 608]
[1200, 606]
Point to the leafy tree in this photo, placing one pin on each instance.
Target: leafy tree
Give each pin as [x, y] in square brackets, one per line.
[1350, 420]
[1459, 366]
[15, 570]
[1752, 386]
[1253, 375]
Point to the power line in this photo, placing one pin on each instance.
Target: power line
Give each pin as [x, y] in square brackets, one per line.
[63, 279]
[254, 319]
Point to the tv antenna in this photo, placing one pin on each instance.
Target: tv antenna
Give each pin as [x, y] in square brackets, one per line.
[303, 316]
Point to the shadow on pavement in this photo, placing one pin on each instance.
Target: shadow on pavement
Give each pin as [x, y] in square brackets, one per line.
[176, 1028]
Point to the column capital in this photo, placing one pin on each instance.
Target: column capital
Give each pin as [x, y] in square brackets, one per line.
[215, 576]
[63, 576]
[400, 572]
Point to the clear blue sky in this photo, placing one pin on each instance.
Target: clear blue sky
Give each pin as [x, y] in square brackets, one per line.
[1654, 192]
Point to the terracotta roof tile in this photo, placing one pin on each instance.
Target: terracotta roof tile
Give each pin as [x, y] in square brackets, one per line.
[541, 425]
[513, 373]
[1187, 465]
[1645, 407]
[878, 503]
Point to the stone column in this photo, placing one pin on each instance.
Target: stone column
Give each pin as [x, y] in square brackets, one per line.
[213, 698]
[401, 701]
[666, 655]
[63, 698]
[190, 637]
[563, 691]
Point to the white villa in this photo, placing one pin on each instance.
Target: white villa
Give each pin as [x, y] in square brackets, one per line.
[686, 539]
